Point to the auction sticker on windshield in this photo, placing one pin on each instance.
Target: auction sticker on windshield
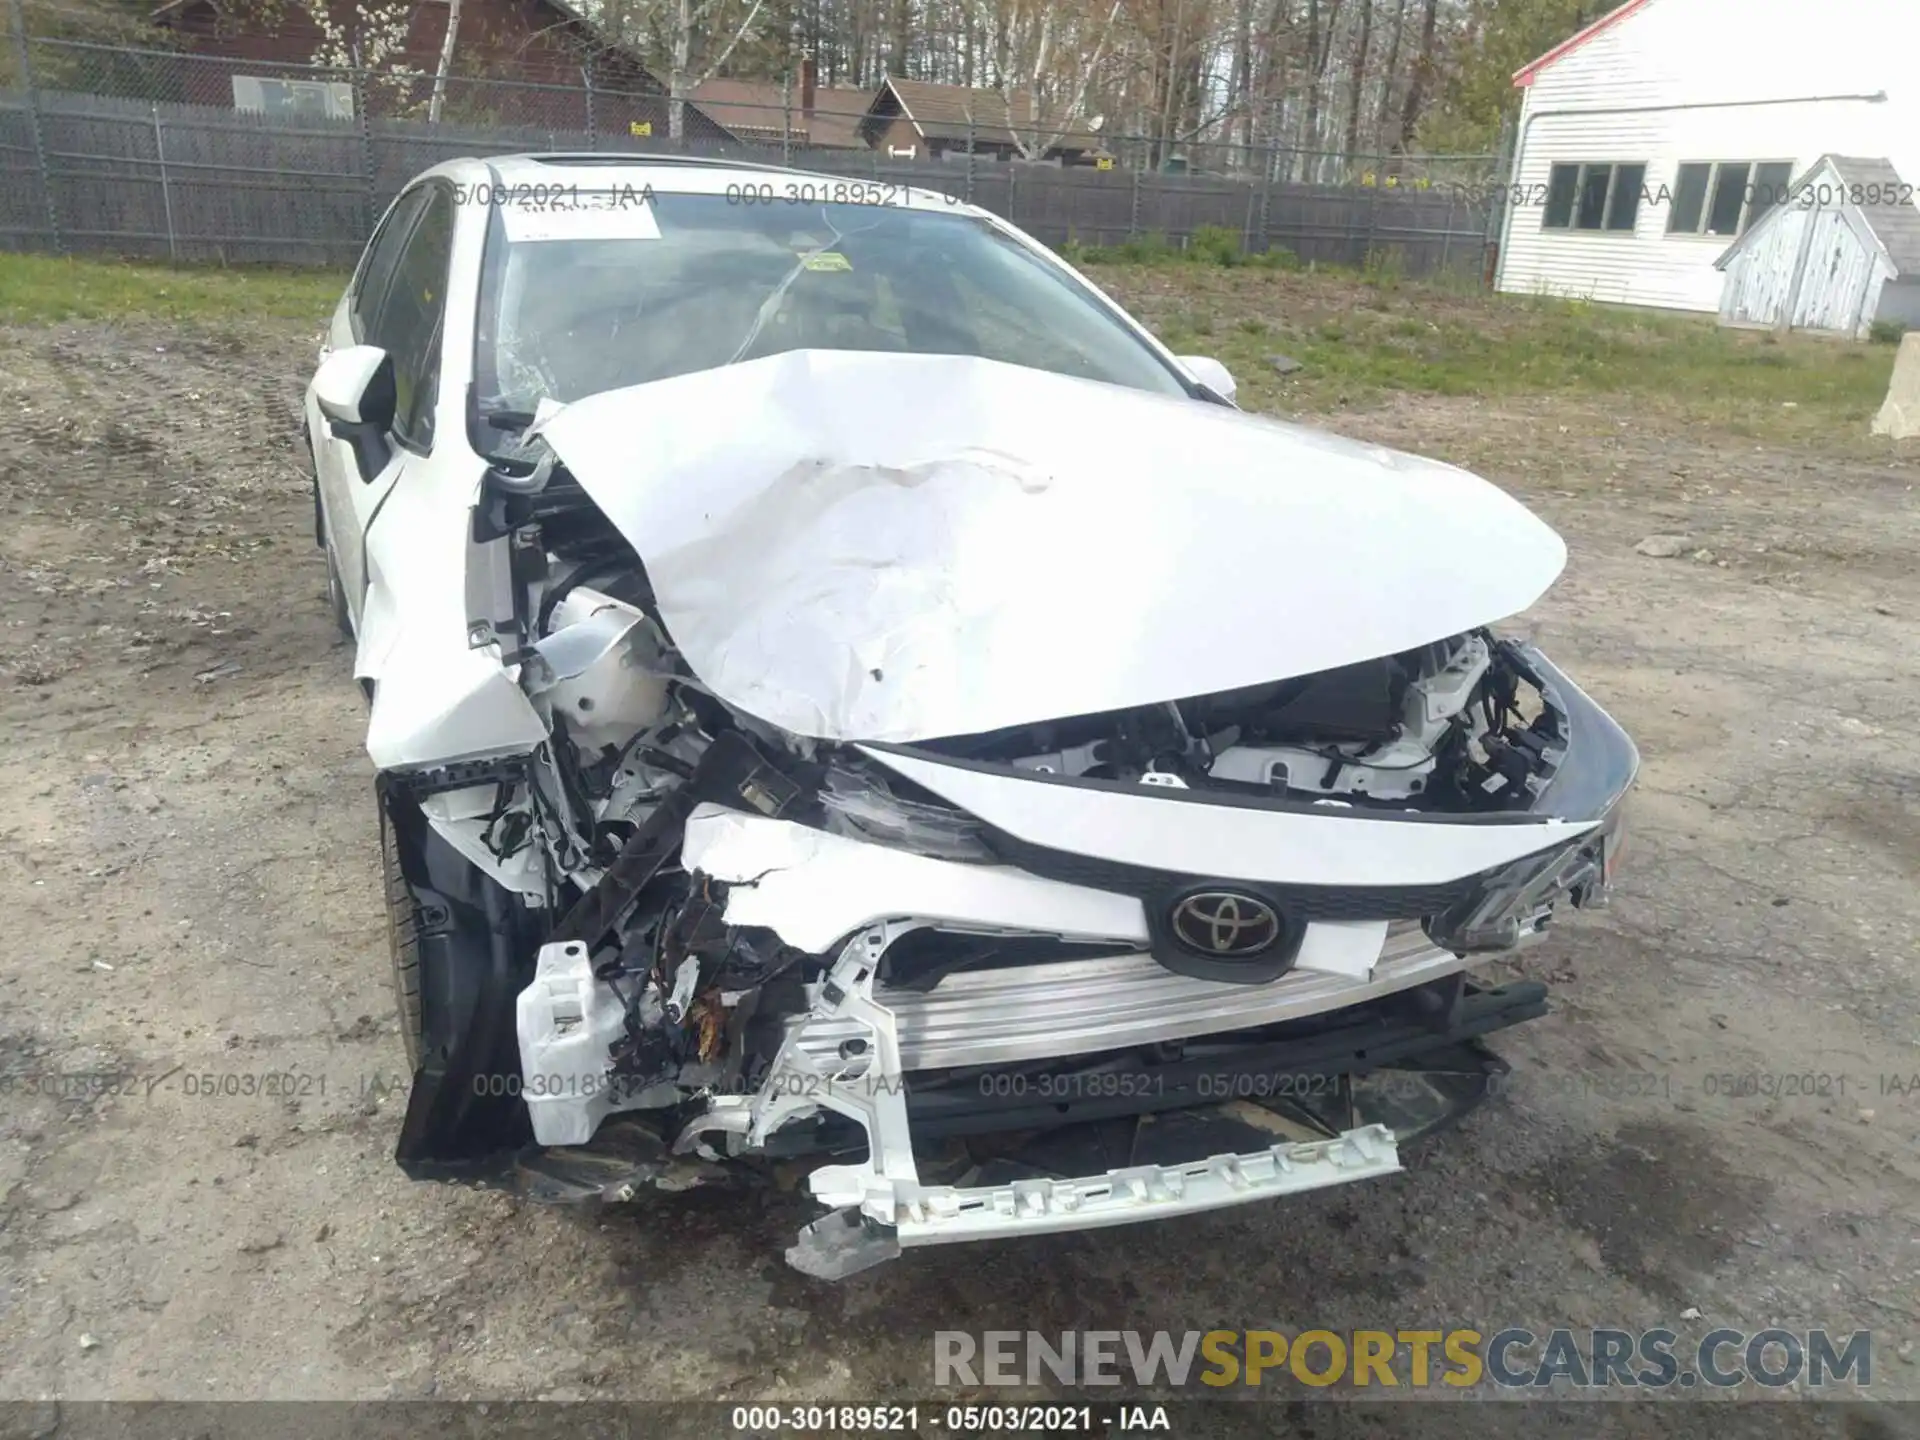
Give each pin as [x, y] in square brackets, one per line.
[622, 214]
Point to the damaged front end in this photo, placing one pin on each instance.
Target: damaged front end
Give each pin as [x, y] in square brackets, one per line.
[1176, 952]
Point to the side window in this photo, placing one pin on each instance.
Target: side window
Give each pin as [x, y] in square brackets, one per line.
[408, 326]
[370, 286]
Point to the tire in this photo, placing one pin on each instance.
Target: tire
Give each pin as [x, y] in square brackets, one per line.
[463, 949]
[403, 940]
[336, 592]
[337, 599]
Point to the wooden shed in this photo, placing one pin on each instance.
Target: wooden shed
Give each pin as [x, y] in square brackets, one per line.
[1841, 254]
[916, 119]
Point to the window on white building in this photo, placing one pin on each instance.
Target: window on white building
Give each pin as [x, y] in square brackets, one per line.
[318, 99]
[1725, 197]
[1598, 196]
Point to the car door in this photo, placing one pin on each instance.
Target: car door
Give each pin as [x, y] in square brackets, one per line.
[335, 470]
[396, 303]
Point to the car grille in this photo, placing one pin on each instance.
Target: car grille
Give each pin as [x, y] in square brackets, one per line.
[1307, 902]
[987, 1017]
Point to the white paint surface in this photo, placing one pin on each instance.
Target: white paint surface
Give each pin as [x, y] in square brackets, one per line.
[1683, 81]
[812, 888]
[1152, 828]
[899, 547]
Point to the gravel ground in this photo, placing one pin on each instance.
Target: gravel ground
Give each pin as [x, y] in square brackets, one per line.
[189, 856]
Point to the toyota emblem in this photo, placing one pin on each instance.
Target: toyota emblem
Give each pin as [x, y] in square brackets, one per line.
[1225, 923]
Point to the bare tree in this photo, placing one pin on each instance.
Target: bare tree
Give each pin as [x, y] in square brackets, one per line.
[446, 62]
[695, 38]
[1322, 25]
[1043, 59]
[900, 46]
[1283, 77]
[1417, 81]
[1049, 130]
[1358, 86]
[681, 81]
[1240, 89]
[1389, 74]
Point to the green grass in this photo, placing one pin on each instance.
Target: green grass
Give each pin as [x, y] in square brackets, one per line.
[1208, 245]
[1363, 337]
[46, 288]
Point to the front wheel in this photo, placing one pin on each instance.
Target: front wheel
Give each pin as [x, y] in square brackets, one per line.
[336, 592]
[462, 947]
[337, 598]
[403, 940]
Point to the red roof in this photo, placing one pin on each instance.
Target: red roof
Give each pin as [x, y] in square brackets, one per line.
[956, 112]
[765, 109]
[1523, 77]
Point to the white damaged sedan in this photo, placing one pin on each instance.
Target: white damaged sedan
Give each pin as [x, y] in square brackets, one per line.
[841, 690]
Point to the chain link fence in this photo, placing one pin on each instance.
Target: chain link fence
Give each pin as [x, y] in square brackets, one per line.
[156, 150]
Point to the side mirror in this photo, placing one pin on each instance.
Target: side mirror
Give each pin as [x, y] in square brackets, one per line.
[1210, 373]
[354, 390]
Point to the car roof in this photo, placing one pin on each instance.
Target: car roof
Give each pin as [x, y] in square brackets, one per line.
[689, 174]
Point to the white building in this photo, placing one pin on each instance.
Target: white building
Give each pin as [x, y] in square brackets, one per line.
[1654, 138]
[1842, 254]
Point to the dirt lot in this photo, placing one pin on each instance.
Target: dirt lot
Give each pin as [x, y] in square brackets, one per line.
[188, 856]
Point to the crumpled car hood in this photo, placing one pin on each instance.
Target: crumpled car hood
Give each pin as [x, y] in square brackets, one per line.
[860, 546]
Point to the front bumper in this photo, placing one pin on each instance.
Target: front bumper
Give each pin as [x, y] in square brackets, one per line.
[865, 1053]
[845, 1058]
[844, 1242]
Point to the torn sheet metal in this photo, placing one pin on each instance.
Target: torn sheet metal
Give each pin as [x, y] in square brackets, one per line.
[1039, 1205]
[812, 889]
[900, 547]
[434, 705]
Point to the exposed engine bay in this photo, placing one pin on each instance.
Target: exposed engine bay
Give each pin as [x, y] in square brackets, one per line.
[679, 1010]
[1435, 728]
